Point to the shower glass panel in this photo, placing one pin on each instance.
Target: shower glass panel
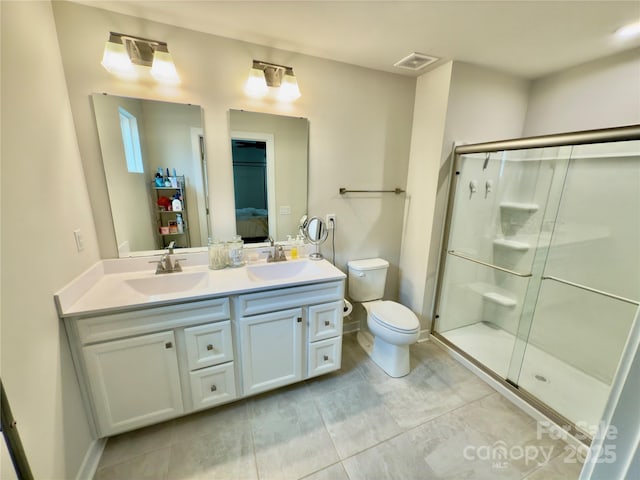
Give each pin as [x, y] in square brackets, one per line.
[590, 284]
[502, 201]
[540, 279]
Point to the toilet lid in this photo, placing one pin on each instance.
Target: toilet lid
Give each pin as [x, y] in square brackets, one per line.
[395, 316]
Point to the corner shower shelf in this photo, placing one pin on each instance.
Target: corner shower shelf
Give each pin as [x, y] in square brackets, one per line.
[499, 299]
[525, 207]
[512, 244]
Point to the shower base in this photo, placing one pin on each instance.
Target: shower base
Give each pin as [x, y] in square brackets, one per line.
[571, 392]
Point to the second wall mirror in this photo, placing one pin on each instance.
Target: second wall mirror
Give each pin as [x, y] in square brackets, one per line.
[270, 156]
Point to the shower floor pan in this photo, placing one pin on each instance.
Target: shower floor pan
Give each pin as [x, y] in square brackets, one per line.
[571, 392]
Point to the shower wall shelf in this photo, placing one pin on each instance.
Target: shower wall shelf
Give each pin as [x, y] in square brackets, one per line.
[525, 207]
[499, 299]
[511, 244]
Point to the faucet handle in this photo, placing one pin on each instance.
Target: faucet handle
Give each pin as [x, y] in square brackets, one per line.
[161, 267]
[176, 265]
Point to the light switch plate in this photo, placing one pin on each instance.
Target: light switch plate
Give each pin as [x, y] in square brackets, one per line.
[79, 240]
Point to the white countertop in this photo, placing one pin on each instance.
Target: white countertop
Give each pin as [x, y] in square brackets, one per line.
[104, 288]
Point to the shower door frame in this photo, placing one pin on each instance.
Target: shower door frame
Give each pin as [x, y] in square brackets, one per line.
[605, 135]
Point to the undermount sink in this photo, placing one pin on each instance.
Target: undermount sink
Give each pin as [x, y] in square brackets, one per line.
[169, 283]
[281, 270]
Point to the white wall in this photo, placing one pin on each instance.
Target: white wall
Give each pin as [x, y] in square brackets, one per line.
[482, 105]
[359, 124]
[599, 94]
[427, 140]
[44, 198]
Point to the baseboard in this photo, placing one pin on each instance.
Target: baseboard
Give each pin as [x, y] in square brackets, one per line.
[425, 336]
[91, 459]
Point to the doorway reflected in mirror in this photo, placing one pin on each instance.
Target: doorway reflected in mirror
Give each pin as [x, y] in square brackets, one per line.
[250, 189]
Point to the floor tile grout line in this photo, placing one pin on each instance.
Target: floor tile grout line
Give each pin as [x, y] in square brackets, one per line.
[326, 428]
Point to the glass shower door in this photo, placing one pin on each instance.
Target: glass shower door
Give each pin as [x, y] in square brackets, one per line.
[503, 203]
[590, 285]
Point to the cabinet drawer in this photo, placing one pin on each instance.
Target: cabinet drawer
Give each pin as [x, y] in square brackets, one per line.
[325, 321]
[213, 385]
[262, 302]
[325, 356]
[128, 324]
[208, 345]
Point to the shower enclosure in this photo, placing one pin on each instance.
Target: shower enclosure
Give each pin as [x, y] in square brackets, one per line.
[540, 271]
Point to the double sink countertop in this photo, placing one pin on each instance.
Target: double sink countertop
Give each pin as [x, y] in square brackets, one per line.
[122, 284]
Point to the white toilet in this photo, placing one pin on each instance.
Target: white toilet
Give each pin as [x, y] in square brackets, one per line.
[391, 327]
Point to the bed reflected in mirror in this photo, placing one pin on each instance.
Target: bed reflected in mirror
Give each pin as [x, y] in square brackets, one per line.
[269, 155]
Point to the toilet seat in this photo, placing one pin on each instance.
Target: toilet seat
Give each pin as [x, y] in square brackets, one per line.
[395, 316]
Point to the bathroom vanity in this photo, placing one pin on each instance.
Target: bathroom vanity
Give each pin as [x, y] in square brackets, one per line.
[148, 348]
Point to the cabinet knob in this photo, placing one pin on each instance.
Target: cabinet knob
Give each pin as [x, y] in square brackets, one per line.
[209, 347]
[327, 323]
[213, 388]
[326, 357]
[168, 345]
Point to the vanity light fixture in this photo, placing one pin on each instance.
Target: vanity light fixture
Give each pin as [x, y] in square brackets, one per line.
[123, 51]
[265, 74]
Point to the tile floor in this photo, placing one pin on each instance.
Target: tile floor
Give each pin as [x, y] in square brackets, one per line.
[440, 421]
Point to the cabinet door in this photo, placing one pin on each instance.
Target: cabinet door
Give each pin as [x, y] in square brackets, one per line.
[271, 346]
[134, 382]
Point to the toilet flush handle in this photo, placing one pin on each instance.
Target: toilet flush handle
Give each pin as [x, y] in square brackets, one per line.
[360, 274]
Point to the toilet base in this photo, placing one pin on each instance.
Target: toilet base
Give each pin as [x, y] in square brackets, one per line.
[393, 359]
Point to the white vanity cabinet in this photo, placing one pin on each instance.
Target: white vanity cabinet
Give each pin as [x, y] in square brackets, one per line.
[289, 334]
[141, 367]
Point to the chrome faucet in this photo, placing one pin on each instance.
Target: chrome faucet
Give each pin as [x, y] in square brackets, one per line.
[168, 264]
[278, 254]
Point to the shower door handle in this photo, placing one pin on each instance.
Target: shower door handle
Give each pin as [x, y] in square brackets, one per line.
[496, 267]
[592, 290]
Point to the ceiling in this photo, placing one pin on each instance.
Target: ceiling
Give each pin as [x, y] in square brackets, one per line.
[529, 39]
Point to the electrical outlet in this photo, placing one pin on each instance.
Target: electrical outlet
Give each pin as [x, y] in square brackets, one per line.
[79, 240]
[330, 220]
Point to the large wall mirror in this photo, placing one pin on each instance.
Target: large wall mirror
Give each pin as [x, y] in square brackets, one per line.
[270, 157]
[153, 154]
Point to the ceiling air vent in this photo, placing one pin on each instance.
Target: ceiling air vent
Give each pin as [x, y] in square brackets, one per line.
[415, 61]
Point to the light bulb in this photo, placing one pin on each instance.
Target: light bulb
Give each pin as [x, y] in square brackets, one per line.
[256, 85]
[163, 69]
[116, 60]
[289, 90]
[628, 31]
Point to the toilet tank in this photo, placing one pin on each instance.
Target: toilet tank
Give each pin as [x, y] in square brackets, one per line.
[367, 278]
